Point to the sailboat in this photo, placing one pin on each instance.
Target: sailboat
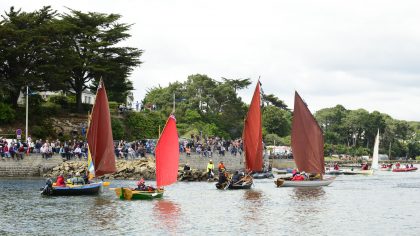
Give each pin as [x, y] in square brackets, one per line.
[375, 156]
[101, 149]
[252, 142]
[307, 146]
[167, 160]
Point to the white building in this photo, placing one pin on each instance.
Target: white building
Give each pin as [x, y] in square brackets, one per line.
[87, 96]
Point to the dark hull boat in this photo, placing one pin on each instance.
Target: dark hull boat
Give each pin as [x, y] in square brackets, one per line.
[263, 175]
[88, 189]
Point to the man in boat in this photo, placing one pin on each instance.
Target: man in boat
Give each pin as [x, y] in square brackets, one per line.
[336, 166]
[210, 169]
[60, 181]
[222, 178]
[237, 178]
[77, 180]
[141, 186]
[397, 165]
[365, 166]
[298, 177]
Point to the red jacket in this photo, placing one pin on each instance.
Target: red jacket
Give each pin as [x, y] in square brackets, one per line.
[298, 178]
[60, 181]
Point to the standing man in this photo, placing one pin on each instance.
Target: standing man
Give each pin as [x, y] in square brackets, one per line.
[210, 169]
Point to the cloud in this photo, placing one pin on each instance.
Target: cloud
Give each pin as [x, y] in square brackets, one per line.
[361, 54]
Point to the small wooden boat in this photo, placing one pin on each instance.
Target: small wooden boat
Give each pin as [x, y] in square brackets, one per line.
[306, 183]
[73, 190]
[130, 194]
[167, 159]
[358, 172]
[385, 168]
[404, 169]
[246, 183]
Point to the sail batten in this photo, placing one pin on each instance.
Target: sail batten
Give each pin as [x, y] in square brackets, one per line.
[252, 133]
[100, 140]
[307, 139]
[167, 154]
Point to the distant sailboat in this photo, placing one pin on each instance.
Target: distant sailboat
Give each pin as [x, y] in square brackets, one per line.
[167, 161]
[307, 146]
[375, 156]
[101, 148]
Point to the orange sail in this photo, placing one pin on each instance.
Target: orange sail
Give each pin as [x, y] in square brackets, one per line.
[252, 133]
[167, 154]
[101, 145]
[307, 139]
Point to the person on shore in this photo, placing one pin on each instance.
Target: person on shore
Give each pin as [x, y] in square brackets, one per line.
[60, 181]
[210, 169]
[187, 167]
[188, 150]
[221, 166]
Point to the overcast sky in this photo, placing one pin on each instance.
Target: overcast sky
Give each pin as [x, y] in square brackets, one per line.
[360, 54]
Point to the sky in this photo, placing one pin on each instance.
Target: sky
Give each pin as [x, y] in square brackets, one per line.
[360, 54]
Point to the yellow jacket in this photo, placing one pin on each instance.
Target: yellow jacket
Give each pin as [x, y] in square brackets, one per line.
[210, 166]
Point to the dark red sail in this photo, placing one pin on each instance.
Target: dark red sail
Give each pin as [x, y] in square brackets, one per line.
[252, 134]
[167, 154]
[100, 141]
[307, 139]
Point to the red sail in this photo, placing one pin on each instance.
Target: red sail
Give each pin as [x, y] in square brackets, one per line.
[167, 154]
[252, 133]
[307, 139]
[101, 145]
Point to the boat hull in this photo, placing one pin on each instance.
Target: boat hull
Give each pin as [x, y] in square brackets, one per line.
[77, 190]
[385, 169]
[405, 169]
[235, 186]
[307, 183]
[263, 175]
[357, 172]
[334, 172]
[128, 194]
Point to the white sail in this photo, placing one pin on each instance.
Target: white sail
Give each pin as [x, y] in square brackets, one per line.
[375, 158]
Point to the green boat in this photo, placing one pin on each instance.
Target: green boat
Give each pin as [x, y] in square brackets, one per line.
[129, 194]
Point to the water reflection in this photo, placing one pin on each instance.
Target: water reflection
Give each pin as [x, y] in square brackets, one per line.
[304, 194]
[167, 213]
[253, 205]
[103, 212]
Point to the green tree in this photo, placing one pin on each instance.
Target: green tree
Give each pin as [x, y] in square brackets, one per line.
[26, 49]
[91, 41]
[277, 121]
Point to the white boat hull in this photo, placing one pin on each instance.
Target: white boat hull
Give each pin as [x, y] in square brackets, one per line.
[358, 172]
[307, 183]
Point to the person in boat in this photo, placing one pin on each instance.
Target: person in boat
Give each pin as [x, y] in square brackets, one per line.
[365, 166]
[411, 166]
[77, 180]
[389, 165]
[221, 166]
[222, 177]
[60, 181]
[236, 178]
[336, 166]
[407, 166]
[298, 177]
[294, 172]
[141, 186]
[397, 165]
[210, 169]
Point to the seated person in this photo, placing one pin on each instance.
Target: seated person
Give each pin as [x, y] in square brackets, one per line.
[187, 167]
[77, 180]
[236, 177]
[222, 177]
[411, 165]
[298, 177]
[141, 186]
[60, 181]
[365, 166]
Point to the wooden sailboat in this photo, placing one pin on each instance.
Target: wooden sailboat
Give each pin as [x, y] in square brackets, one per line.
[101, 149]
[307, 146]
[252, 142]
[167, 160]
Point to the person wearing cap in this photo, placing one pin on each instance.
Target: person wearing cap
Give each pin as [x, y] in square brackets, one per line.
[77, 180]
[210, 169]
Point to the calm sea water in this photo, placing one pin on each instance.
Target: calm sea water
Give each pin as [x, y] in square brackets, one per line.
[383, 204]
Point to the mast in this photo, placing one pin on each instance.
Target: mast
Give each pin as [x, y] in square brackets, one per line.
[375, 156]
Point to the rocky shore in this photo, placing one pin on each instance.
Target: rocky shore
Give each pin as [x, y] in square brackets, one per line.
[129, 170]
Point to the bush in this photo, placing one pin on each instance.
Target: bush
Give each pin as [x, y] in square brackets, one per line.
[117, 129]
[7, 114]
[61, 100]
[49, 109]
